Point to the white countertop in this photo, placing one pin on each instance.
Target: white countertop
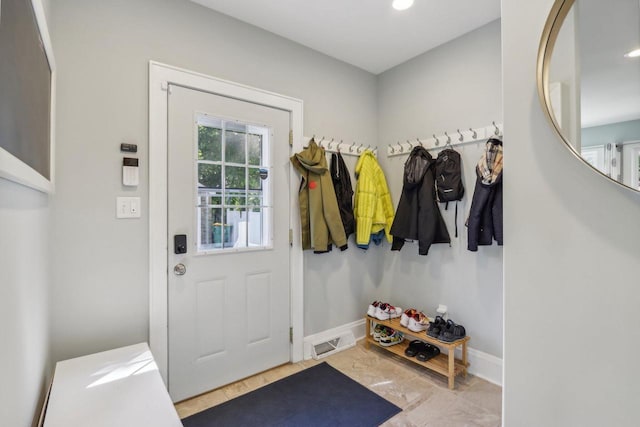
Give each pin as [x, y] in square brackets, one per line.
[120, 387]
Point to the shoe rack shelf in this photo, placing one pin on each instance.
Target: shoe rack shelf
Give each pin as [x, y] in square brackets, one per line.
[445, 364]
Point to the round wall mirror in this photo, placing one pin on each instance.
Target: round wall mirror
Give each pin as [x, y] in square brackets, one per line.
[589, 83]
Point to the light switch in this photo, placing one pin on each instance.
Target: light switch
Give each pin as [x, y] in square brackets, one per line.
[127, 207]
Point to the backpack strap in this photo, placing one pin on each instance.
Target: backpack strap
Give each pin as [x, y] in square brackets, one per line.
[456, 219]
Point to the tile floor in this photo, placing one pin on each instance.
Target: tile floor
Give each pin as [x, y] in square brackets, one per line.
[422, 394]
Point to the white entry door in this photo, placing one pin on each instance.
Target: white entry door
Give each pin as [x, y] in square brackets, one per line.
[228, 234]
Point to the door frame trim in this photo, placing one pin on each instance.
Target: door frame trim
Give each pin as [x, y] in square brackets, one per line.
[160, 75]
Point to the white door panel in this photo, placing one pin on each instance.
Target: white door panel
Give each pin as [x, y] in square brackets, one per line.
[229, 312]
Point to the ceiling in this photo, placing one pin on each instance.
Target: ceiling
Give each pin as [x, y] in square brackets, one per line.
[610, 87]
[369, 34]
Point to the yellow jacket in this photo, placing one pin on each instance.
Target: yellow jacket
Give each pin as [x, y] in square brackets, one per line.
[373, 208]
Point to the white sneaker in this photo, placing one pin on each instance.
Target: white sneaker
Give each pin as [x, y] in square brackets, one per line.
[386, 311]
[418, 323]
[406, 315]
[371, 311]
[396, 338]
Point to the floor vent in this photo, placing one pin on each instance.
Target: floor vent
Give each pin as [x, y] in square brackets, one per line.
[333, 345]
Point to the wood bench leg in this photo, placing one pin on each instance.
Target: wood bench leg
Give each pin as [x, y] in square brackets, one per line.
[452, 366]
[367, 322]
[464, 358]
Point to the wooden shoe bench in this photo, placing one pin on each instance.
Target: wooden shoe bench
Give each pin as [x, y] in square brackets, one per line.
[445, 364]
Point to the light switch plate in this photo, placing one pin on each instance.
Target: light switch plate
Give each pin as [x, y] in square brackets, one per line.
[127, 207]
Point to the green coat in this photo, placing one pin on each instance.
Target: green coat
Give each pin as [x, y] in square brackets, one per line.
[319, 213]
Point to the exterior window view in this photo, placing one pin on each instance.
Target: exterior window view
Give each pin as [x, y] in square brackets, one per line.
[234, 197]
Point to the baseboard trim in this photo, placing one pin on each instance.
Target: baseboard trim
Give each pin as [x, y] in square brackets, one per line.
[358, 329]
[481, 364]
[484, 365]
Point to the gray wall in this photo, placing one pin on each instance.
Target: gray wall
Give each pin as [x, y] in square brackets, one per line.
[24, 308]
[612, 133]
[457, 85]
[571, 262]
[101, 289]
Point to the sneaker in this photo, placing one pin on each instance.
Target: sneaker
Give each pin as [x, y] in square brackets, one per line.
[371, 311]
[418, 323]
[386, 311]
[406, 315]
[381, 331]
[396, 338]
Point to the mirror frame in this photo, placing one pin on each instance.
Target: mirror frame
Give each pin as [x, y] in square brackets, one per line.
[552, 27]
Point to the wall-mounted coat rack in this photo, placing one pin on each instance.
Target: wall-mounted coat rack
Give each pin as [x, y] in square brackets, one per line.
[450, 138]
[333, 145]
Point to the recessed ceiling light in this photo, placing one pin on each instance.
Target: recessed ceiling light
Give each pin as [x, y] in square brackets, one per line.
[632, 54]
[402, 4]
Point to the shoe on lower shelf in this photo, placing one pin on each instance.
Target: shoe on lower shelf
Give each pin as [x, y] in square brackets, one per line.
[396, 338]
[381, 331]
[429, 351]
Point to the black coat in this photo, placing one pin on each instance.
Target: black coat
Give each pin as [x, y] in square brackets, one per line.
[485, 217]
[418, 216]
[344, 192]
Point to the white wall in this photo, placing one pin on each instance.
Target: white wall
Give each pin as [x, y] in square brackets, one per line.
[457, 85]
[571, 262]
[100, 294]
[24, 309]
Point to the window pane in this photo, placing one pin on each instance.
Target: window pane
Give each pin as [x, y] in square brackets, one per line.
[236, 226]
[235, 199]
[255, 182]
[254, 199]
[209, 198]
[235, 147]
[255, 149]
[234, 177]
[209, 176]
[209, 143]
[255, 229]
[209, 223]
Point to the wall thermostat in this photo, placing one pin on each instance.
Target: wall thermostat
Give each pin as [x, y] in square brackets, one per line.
[130, 174]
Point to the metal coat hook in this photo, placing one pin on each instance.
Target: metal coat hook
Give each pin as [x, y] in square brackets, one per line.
[461, 136]
[401, 147]
[475, 134]
[419, 142]
[392, 149]
[351, 147]
[497, 131]
[437, 140]
[448, 138]
[359, 149]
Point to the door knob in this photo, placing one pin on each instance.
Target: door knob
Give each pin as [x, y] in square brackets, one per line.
[179, 269]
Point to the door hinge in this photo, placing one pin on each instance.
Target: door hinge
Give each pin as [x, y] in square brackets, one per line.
[291, 138]
[291, 237]
[291, 335]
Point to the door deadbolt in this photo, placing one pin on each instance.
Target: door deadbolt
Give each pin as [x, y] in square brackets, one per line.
[179, 269]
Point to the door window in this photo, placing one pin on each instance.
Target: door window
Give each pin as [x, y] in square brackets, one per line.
[233, 186]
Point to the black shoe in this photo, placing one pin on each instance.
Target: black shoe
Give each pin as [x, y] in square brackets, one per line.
[436, 327]
[414, 348]
[429, 352]
[452, 332]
